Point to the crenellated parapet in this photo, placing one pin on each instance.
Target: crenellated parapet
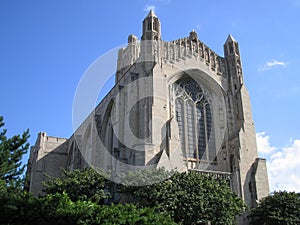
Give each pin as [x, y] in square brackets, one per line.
[162, 52]
[192, 48]
[151, 48]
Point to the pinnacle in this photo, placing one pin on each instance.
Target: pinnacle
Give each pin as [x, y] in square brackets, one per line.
[230, 39]
[151, 13]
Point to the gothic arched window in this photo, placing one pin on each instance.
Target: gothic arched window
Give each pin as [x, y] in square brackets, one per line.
[194, 118]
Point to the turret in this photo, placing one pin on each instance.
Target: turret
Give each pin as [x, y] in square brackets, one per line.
[231, 46]
[127, 56]
[151, 39]
[151, 27]
[232, 55]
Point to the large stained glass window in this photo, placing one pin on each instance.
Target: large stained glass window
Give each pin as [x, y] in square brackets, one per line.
[194, 118]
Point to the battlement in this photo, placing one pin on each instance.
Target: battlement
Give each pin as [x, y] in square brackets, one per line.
[151, 48]
[162, 52]
[191, 47]
[53, 138]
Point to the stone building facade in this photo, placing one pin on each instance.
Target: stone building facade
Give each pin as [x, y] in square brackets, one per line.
[175, 104]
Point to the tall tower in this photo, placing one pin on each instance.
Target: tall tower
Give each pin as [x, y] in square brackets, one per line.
[249, 171]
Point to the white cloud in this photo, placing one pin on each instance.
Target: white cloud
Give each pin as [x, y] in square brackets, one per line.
[149, 7]
[271, 64]
[283, 163]
[283, 168]
[274, 62]
[263, 143]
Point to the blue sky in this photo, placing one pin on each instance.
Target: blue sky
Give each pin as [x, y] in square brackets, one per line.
[46, 46]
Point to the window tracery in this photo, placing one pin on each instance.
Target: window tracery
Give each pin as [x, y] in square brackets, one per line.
[194, 118]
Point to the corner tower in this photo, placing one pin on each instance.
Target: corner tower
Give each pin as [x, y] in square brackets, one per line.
[249, 172]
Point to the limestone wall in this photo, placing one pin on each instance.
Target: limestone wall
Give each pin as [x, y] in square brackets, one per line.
[48, 155]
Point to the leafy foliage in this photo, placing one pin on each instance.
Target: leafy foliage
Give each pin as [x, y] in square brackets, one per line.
[131, 214]
[190, 198]
[59, 209]
[86, 184]
[280, 208]
[17, 207]
[11, 152]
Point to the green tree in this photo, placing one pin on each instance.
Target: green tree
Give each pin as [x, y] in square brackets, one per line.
[17, 207]
[190, 198]
[59, 209]
[131, 214]
[11, 153]
[85, 184]
[280, 208]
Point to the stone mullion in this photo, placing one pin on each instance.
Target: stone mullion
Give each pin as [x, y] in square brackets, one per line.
[185, 131]
[205, 132]
[196, 133]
